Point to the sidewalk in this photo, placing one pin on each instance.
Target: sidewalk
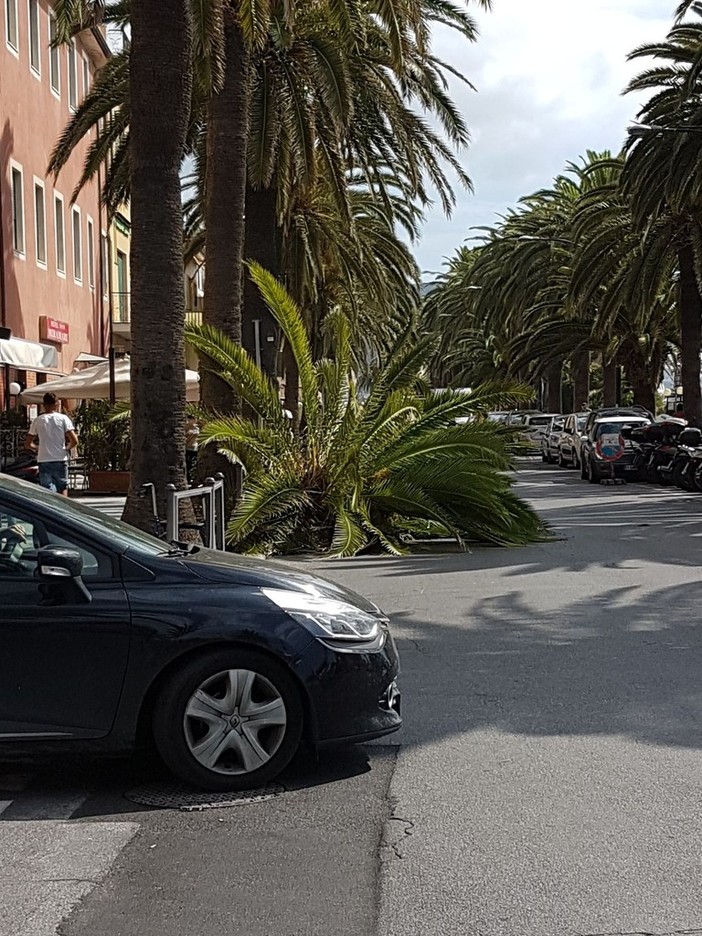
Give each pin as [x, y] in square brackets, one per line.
[109, 504]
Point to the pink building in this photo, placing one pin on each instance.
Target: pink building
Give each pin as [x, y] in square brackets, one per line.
[53, 294]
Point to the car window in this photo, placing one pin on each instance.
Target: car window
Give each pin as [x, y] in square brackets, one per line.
[582, 420]
[23, 535]
[538, 421]
[616, 428]
[558, 425]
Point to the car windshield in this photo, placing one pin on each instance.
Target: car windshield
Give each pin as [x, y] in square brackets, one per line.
[122, 535]
[536, 421]
[615, 428]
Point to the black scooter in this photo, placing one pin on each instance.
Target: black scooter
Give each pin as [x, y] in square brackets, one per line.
[24, 466]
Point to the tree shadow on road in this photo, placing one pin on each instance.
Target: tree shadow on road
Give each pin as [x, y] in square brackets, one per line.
[615, 663]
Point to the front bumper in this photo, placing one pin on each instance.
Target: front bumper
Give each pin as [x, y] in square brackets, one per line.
[353, 694]
[623, 468]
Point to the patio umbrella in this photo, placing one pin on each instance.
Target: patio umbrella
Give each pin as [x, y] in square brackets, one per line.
[93, 383]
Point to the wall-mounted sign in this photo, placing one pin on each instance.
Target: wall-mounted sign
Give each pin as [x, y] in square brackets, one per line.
[51, 329]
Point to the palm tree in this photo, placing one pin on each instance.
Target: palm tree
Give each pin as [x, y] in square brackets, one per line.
[360, 474]
[663, 179]
[321, 100]
[160, 90]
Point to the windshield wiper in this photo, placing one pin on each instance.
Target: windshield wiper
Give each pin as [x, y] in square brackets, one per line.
[183, 549]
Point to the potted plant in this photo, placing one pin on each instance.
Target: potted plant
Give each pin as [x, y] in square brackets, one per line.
[104, 447]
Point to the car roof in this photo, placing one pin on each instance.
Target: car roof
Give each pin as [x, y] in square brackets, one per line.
[619, 418]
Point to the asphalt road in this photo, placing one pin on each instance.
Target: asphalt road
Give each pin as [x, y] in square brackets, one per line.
[547, 782]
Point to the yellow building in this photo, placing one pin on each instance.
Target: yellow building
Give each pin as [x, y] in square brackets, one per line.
[117, 289]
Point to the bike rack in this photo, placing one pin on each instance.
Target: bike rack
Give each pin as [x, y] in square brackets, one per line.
[211, 493]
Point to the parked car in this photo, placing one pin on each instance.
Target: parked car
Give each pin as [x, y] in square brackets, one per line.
[551, 439]
[571, 440]
[633, 411]
[533, 427]
[109, 637]
[605, 453]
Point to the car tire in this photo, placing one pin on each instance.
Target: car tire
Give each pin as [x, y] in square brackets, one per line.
[593, 475]
[562, 463]
[245, 681]
[583, 472]
[544, 458]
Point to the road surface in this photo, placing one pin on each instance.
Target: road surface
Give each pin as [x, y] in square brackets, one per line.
[547, 782]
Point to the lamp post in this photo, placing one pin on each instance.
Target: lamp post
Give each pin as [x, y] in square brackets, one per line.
[640, 131]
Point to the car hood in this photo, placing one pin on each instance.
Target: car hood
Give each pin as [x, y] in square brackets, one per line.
[229, 568]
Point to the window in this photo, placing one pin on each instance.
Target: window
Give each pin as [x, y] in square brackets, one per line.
[91, 253]
[77, 233]
[40, 222]
[11, 29]
[122, 288]
[60, 234]
[54, 58]
[86, 77]
[72, 76]
[105, 266]
[34, 37]
[21, 537]
[17, 209]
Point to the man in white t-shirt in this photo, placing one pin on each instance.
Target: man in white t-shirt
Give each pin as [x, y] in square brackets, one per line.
[52, 437]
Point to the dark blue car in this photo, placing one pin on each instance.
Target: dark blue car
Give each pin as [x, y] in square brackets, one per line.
[110, 637]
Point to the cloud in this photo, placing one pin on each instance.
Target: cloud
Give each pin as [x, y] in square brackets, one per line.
[550, 76]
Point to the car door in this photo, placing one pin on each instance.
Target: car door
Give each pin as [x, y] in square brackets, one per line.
[62, 658]
[566, 440]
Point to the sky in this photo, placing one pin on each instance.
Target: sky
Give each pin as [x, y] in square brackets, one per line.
[549, 76]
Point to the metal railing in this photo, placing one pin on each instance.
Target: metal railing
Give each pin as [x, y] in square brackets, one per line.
[208, 497]
[11, 443]
[122, 311]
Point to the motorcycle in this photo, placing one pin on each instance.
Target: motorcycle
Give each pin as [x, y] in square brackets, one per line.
[660, 459]
[681, 471]
[24, 467]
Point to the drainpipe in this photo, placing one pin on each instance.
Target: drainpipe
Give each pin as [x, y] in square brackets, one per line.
[101, 278]
[3, 292]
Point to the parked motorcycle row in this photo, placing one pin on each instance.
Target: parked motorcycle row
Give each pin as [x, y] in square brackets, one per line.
[619, 444]
[669, 454]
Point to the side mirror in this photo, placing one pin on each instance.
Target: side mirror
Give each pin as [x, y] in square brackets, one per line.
[57, 564]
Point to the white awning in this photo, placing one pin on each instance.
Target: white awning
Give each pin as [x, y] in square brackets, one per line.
[93, 383]
[86, 358]
[29, 356]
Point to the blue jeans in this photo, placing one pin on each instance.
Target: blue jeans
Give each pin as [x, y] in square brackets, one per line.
[54, 475]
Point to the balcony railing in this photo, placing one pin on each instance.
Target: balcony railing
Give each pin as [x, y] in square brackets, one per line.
[121, 308]
[121, 311]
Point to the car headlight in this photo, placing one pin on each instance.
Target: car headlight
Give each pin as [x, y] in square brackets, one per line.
[326, 617]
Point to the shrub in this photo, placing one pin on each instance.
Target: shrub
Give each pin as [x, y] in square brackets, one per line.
[347, 475]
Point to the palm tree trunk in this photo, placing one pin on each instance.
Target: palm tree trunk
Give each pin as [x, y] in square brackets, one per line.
[581, 380]
[690, 334]
[160, 88]
[225, 195]
[643, 383]
[260, 333]
[609, 382]
[553, 378]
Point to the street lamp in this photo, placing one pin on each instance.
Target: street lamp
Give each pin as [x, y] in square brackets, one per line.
[640, 130]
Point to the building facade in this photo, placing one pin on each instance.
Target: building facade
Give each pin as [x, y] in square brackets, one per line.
[54, 284]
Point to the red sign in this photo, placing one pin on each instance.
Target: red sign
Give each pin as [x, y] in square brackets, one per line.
[51, 329]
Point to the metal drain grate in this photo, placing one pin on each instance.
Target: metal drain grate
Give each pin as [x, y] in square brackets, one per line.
[174, 796]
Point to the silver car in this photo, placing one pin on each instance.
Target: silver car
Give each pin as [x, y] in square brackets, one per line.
[571, 440]
[551, 439]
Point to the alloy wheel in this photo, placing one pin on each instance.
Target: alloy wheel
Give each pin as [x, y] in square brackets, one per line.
[235, 722]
